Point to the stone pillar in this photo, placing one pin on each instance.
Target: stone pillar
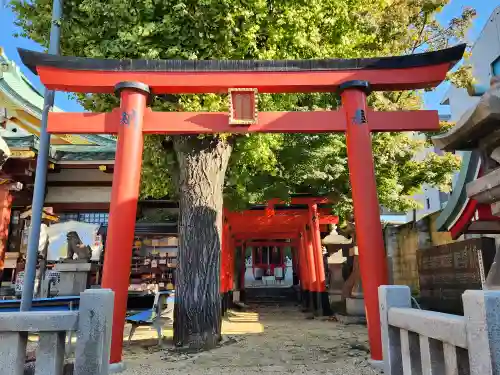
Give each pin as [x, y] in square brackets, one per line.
[391, 244]
[424, 234]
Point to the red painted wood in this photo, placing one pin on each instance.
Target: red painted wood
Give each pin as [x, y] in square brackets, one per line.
[264, 214]
[124, 197]
[372, 256]
[317, 248]
[266, 235]
[220, 82]
[310, 260]
[295, 270]
[328, 219]
[232, 253]
[222, 264]
[224, 260]
[5, 214]
[303, 268]
[215, 122]
[243, 266]
[267, 243]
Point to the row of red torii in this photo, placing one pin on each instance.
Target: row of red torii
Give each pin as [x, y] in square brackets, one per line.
[298, 227]
[135, 80]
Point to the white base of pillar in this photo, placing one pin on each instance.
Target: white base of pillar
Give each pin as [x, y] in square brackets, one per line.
[115, 368]
[377, 365]
[236, 296]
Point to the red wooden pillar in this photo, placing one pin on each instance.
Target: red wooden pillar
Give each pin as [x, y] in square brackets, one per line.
[322, 300]
[5, 212]
[318, 252]
[243, 271]
[223, 261]
[123, 208]
[232, 250]
[311, 268]
[294, 249]
[304, 274]
[372, 257]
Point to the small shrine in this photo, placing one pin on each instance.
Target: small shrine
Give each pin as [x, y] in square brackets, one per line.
[477, 131]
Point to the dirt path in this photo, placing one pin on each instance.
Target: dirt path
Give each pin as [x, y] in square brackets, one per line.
[268, 340]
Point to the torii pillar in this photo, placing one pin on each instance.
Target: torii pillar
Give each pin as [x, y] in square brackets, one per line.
[372, 257]
[123, 207]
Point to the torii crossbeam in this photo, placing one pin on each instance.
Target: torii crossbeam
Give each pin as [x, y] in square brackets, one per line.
[136, 80]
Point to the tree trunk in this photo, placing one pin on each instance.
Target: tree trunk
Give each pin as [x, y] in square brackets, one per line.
[351, 280]
[202, 165]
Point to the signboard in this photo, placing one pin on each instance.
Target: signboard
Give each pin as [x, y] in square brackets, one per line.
[243, 106]
[446, 271]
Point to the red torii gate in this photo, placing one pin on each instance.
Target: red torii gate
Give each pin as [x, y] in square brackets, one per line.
[300, 226]
[135, 80]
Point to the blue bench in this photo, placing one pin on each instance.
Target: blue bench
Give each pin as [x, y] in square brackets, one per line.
[157, 316]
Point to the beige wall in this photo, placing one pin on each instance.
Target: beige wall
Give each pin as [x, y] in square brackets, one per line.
[78, 194]
[438, 238]
[80, 175]
[404, 266]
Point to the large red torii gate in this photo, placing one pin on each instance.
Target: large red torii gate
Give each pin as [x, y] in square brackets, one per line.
[136, 80]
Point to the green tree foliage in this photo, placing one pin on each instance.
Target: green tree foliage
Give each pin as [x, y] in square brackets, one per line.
[263, 166]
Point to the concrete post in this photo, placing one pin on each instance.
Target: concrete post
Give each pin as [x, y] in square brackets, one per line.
[13, 352]
[41, 169]
[482, 311]
[94, 332]
[50, 353]
[391, 243]
[392, 296]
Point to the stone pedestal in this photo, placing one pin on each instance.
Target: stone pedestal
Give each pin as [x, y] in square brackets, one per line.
[355, 306]
[73, 278]
[336, 281]
[236, 296]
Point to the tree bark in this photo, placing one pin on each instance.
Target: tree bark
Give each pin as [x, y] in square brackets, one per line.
[202, 166]
[351, 280]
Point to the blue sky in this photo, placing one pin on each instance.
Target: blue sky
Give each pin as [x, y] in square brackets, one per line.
[9, 43]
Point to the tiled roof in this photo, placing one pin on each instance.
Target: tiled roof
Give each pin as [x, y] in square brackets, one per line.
[19, 94]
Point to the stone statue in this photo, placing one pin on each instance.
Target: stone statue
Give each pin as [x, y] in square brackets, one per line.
[76, 246]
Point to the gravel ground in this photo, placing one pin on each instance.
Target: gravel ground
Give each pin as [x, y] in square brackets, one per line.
[266, 340]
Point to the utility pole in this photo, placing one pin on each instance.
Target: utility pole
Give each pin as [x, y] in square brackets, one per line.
[41, 170]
